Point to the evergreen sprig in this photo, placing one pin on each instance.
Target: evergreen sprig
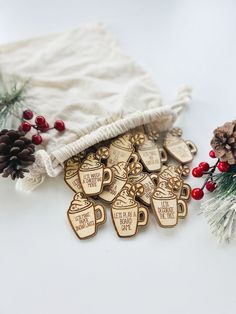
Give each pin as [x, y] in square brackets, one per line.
[12, 101]
[226, 182]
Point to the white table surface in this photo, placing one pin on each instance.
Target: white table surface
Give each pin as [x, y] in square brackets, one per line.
[44, 268]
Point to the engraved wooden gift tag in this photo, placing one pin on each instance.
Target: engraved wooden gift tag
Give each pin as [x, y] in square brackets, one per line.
[120, 177]
[71, 176]
[93, 174]
[148, 182]
[173, 176]
[166, 206]
[121, 150]
[84, 216]
[182, 151]
[127, 213]
[151, 155]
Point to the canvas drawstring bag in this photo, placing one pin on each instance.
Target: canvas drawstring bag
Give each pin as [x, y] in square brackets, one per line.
[84, 78]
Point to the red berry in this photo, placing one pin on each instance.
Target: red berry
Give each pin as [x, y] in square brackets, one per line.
[28, 114]
[40, 121]
[223, 166]
[25, 126]
[204, 166]
[197, 172]
[45, 127]
[212, 154]
[37, 139]
[197, 194]
[59, 125]
[210, 186]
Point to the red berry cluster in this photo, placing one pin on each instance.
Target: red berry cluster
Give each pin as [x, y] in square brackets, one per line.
[205, 169]
[41, 126]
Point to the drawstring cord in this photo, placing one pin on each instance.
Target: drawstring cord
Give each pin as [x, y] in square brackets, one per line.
[52, 165]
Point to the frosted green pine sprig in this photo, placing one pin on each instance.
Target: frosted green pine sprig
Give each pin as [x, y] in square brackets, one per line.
[12, 101]
[226, 182]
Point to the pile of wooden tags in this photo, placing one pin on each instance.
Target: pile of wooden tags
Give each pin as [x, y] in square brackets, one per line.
[137, 173]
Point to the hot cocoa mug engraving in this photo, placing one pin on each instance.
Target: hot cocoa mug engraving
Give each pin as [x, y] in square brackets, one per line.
[175, 182]
[120, 177]
[180, 189]
[127, 220]
[71, 176]
[93, 176]
[110, 192]
[181, 150]
[148, 182]
[121, 150]
[128, 215]
[152, 156]
[83, 217]
[167, 207]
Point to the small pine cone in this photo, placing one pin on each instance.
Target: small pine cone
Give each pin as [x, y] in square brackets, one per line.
[16, 153]
[224, 142]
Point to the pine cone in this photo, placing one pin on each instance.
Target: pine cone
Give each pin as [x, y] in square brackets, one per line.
[16, 153]
[224, 142]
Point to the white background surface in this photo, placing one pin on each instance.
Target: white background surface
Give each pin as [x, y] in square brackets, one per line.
[44, 268]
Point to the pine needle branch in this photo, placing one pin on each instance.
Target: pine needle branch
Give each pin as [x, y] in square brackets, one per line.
[226, 182]
[12, 100]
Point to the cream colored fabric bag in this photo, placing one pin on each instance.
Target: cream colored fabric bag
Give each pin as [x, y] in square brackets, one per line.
[84, 78]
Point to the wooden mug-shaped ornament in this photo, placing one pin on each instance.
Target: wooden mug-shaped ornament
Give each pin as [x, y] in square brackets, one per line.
[121, 150]
[120, 178]
[183, 171]
[94, 175]
[151, 155]
[127, 213]
[71, 176]
[182, 190]
[85, 217]
[173, 175]
[181, 150]
[166, 206]
[148, 182]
